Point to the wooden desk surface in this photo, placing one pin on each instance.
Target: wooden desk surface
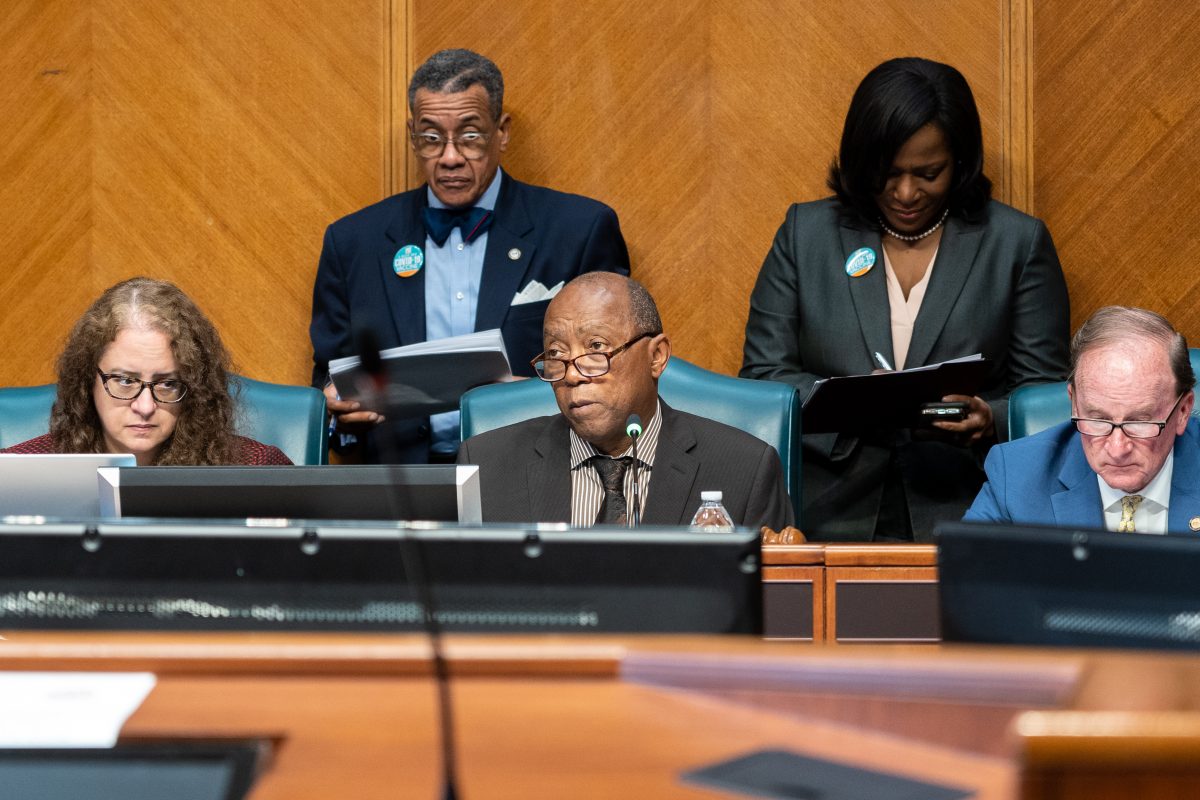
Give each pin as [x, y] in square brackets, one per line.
[353, 715]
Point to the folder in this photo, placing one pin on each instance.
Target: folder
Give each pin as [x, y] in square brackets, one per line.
[427, 377]
[888, 400]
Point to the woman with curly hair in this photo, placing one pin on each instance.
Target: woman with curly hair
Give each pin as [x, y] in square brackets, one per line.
[145, 372]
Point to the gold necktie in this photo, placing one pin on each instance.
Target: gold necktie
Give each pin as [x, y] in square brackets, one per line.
[1129, 504]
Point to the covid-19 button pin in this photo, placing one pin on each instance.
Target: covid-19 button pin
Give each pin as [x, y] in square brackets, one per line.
[408, 261]
[860, 262]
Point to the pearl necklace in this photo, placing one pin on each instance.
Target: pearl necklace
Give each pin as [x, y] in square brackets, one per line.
[916, 237]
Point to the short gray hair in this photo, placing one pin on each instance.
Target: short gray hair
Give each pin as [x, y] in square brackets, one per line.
[1117, 324]
[449, 71]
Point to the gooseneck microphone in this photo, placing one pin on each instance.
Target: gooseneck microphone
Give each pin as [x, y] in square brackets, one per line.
[412, 555]
[633, 429]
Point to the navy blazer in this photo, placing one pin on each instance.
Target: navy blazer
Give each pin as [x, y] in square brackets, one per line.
[1045, 479]
[536, 234]
[525, 472]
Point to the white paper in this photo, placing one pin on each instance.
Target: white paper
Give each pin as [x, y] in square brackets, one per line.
[68, 709]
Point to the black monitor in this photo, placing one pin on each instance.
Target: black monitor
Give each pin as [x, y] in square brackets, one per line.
[441, 492]
[1071, 587]
[207, 576]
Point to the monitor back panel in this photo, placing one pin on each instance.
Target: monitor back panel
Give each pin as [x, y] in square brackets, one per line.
[126, 576]
[1062, 586]
[54, 485]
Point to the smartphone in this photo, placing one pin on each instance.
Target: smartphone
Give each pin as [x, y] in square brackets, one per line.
[943, 412]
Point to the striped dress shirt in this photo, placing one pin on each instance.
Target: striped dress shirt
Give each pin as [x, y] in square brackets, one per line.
[587, 492]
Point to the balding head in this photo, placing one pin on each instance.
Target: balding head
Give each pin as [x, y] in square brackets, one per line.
[602, 312]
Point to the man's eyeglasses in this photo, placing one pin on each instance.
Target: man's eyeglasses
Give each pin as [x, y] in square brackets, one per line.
[589, 365]
[472, 144]
[126, 387]
[1138, 429]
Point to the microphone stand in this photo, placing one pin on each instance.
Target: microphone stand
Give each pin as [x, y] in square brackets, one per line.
[412, 556]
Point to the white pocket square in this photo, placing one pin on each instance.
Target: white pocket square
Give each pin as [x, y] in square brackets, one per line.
[535, 292]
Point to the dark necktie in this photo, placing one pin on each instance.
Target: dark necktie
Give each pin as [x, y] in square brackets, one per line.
[440, 221]
[612, 475]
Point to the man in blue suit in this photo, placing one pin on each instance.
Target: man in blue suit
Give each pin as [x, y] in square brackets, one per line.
[473, 249]
[1129, 459]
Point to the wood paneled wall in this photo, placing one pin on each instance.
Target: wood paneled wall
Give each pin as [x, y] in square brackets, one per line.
[1117, 152]
[205, 143]
[211, 143]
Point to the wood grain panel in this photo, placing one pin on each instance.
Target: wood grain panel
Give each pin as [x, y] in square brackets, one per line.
[228, 135]
[208, 144]
[45, 193]
[700, 122]
[1117, 140]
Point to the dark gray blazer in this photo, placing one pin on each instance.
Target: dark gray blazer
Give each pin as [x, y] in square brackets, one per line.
[525, 472]
[997, 288]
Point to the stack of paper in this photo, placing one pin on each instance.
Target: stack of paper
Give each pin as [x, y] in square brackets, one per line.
[424, 378]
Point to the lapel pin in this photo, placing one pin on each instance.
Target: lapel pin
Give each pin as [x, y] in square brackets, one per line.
[1194, 523]
[514, 254]
[408, 261]
[860, 262]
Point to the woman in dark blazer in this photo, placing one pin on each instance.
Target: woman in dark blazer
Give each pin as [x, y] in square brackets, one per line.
[913, 261]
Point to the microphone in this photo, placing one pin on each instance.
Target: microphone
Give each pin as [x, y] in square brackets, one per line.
[412, 556]
[633, 429]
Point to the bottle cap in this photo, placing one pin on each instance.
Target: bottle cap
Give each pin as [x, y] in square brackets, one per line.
[711, 497]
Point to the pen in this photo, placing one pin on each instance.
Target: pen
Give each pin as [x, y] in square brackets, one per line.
[882, 362]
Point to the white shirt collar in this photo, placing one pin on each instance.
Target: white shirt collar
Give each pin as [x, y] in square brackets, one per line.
[1156, 499]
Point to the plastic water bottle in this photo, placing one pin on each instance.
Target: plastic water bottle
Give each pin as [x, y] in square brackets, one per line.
[712, 517]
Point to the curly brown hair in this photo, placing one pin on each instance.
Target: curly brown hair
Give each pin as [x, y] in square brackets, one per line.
[204, 430]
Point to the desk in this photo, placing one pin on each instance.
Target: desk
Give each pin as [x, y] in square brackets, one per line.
[850, 592]
[558, 717]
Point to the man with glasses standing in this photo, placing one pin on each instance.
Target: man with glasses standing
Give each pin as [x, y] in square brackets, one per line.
[473, 249]
[1129, 459]
[604, 350]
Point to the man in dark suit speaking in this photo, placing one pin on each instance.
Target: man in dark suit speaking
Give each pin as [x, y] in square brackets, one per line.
[604, 352]
[473, 249]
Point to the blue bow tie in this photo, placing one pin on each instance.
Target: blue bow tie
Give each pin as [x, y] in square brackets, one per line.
[440, 221]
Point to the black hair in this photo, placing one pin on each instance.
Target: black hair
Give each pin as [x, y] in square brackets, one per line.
[893, 102]
[457, 71]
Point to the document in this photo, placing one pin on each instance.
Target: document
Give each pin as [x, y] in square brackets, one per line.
[427, 377]
[884, 400]
[68, 709]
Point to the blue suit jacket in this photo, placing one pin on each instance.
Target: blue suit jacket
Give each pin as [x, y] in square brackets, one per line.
[1045, 479]
[554, 236]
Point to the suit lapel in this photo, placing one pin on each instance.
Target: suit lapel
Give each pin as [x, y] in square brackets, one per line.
[502, 274]
[869, 291]
[406, 296]
[955, 258]
[1185, 499]
[1078, 504]
[549, 475]
[670, 491]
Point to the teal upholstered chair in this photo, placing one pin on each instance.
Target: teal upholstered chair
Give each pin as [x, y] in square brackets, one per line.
[290, 417]
[768, 410]
[1035, 408]
[24, 413]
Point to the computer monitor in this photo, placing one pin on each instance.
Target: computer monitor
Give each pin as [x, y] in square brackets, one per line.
[206, 576]
[438, 492]
[1071, 587]
[62, 485]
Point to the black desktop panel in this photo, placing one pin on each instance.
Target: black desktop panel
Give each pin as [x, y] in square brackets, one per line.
[1070, 587]
[204, 576]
